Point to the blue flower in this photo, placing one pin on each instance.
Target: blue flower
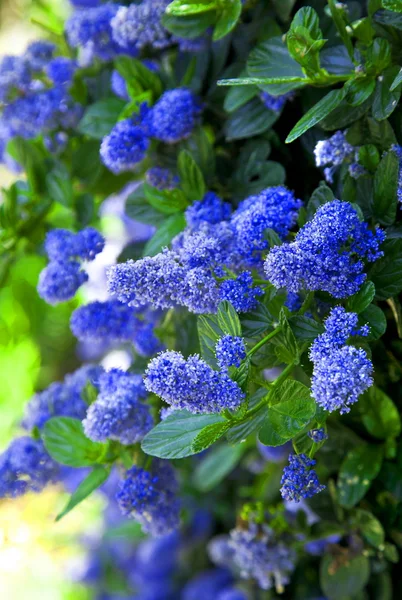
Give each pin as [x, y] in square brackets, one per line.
[207, 585]
[62, 245]
[327, 253]
[59, 282]
[211, 209]
[230, 351]
[174, 116]
[341, 372]
[15, 75]
[293, 301]
[231, 594]
[25, 467]
[149, 497]
[110, 320]
[317, 435]
[162, 179]
[275, 103]
[39, 54]
[124, 147]
[139, 25]
[241, 292]
[118, 413]
[61, 70]
[191, 384]
[299, 480]
[61, 399]
[333, 152]
[119, 86]
[274, 208]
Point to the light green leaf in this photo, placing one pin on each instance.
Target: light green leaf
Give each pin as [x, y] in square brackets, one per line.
[66, 442]
[320, 110]
[228, 319]
[95, 479]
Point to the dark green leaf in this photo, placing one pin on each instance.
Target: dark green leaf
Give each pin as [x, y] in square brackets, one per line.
[357, 472]
[166, 232]
[191, 179]
[95, 479]
[202, 151]
[208, 436]
[344, 115]
[228, 319]
[286, 346]
[293, 410]
[134, 70]
[385, 189]
[138, 208]
[378, 56]
[228, 16]
[379, 414]
[336, 60]
[251, 119]
[375, 318]
[397, 81]
[59, 185]
[239, 433]
[100, 118]
[343, 579]
[66, 442]
[386, 100]
[386, 274]
[209, 332]
[174, 436]
[320, 110]
[358, 90]
[369, 526]
[256, 322]
[369, 157]
[359, 301]
[167, 202]
[238, 96]
[319, 197]
[305, 328]
[218, 463]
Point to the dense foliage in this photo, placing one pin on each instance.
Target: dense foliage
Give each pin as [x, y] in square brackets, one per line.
[254, 436]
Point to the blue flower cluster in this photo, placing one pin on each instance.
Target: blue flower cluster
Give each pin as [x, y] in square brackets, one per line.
[61, 399]
[139, 25]
[317, 435]
[187, 274]
[257, 554]
[118, 412]
[299, 480]
[60, 280]
[333, 152]
[327, 253]
[230, 351]
[124, 147]
[149, 497]
[25, 467]
[162, 179]
[341, 372]
[208, 585]
[174, 116]
[275, 103]
[191, 384]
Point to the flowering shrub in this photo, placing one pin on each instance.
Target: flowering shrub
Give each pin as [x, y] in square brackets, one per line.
[254, 436]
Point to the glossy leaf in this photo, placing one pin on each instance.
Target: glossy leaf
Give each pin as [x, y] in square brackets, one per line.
[191, 179]
[66, 442]
[359, 301]
[344, 578]
[167, 231]
[320, 110]
[228, 319]
[216, 466]
[357, 472]
[95, 479]
[379, 414]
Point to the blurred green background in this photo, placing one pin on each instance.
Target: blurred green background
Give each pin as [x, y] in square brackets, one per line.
[36, 348]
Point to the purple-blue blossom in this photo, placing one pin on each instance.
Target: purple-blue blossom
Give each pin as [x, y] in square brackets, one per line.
[191, 384]
[39, 54]
[161, 178]
[60, 70]
[62, 245]
[124, 147]
[15, 75]
[59, 282]
[211, 209]
[118, 412]
[25, 466]
[119, 86]
[276, 103]
[241, 292]
[327, 253]
[317, 435]
[174, 116]
[149, 497]
[207, 585]
[110, 320]
[139, 25]
[299, 479]
[333, 152]
[230, 351]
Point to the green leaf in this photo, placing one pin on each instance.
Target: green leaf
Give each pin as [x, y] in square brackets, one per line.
[343, 579]
[66, 442]
[189, 26]
[254, 172]
[386, 274]
[307, 17]
[201, 149]
[379, 414]
[174, 436]
[239, 433]
[293, 410]
[209, 332]
[251, 119]
[166, 232]
[271, 60]
[218, 463]
[286, 345]
[95, 479]
[336, 61]
[237, 96]
[209, 435]
[305, 328]
[191, 179]
[360, 301]
[165, 201]
[228, 319]
[228, 17]
[337, 15]
[359, 90]
[319, 197]
[257, 322]
[59, 185]
[385, 189]
[181, 8]
[397, 81]
[378, 56]
[394, 5]
[138, 208]
[369, 157]
[375, 318]
[369, 526]
[388, 18]
[386, 100]
[133, 70]
[357, 472]
[100, 118]
[320, 110]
